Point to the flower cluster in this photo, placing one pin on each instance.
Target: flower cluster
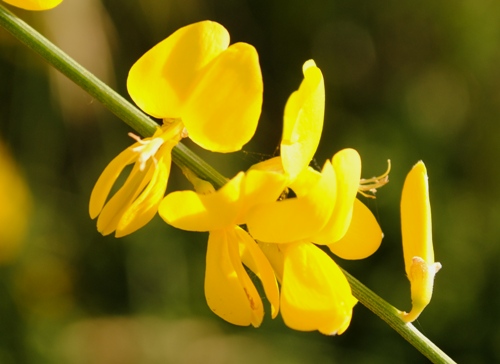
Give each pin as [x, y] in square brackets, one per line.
[175, 81]
[277, 219]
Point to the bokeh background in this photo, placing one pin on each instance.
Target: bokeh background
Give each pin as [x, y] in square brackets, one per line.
[404, 81]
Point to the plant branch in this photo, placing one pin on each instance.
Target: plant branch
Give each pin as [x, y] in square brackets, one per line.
[392, 317]
[185, 157]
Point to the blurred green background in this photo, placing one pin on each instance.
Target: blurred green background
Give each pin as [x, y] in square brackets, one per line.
[404, 81]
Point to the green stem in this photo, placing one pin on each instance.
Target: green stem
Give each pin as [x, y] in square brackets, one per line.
[391, 316]
[185, 157]
[78, 74]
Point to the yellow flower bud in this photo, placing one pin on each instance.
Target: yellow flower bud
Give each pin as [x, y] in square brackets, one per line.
[418, 250]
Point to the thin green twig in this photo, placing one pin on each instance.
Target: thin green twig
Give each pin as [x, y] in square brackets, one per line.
[391, 316]
[185, 157]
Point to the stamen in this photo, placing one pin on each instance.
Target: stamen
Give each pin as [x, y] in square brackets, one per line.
[137, 138]
[368, 186]
[146, 150]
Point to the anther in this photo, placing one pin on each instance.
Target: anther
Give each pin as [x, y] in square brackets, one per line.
[368, 186]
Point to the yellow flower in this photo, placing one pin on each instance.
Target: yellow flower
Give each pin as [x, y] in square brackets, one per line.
[315, 294]
[34, 4]
[198, 86]
[215, 89]
[418, 250]
[229, 291]
[136, 202]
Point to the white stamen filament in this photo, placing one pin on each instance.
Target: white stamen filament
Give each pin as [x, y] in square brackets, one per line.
[147, 149]
[370, 185]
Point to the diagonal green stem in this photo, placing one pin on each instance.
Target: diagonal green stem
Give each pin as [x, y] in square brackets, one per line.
[78, 74]
[185, 157]
[391, 316]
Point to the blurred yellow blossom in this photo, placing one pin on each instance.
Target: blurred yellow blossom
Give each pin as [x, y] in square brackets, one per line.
[34, 4]
[15, 202]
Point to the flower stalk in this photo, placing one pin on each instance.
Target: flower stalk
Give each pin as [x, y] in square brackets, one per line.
[392, 317]
[185, 158]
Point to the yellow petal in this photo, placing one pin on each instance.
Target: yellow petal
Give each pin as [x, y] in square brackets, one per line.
[108, 178]
[259, 187]
[347, 166]
[229, 290]
[191, 211]
[275, 256]
[273, 164]
[297, 218]
[416, 223]
[262, 186]
[114, 209]
[315, 294]
[145, 206]
[135, 203]
[255, 259]
[363, 237]
[222, 111]
[303, 121]
[34, 4]
[161, 80]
